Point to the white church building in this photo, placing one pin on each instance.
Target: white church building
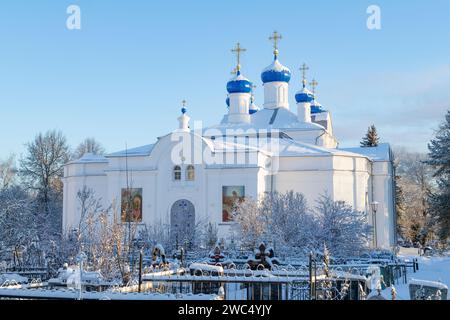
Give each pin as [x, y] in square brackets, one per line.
[193, 175]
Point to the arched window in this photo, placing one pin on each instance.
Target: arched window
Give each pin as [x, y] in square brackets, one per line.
[190, 173]
[177, 173]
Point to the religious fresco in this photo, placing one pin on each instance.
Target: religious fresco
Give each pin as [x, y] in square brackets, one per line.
[131, 205]
[231, 197]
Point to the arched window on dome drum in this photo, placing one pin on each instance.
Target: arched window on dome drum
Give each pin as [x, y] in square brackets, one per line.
[177, 173]
[190, 173]
[281, 94]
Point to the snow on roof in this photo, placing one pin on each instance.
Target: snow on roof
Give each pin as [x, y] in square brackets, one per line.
[205, 267]
[90, 158]
[296, 148]
[278, 146]
[427, 283]
[280, 118]
[239, 77]
[134, 152]
[380, 153]
[276, 66]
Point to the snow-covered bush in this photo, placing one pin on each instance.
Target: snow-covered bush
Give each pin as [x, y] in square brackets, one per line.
[344, 230]
[286, 222]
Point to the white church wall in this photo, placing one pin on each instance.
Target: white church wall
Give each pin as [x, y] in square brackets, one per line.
[311, 184]
[276, 95]
[351, 187]
[82, 169]
[383, 194]
[351, 177]
[306, 163]
[132, 162]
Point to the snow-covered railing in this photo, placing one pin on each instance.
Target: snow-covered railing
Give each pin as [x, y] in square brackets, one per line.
[73, 294]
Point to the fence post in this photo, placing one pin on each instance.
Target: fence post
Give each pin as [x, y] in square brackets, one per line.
[405, 276]
[140, 271]
[310, 277]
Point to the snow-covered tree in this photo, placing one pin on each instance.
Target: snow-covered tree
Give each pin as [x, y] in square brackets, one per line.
[42, 166]
[17, 224]
[89, 207]
[280, 219]
[250, 222]
[155, 233]
[285, 220]
[399, 205]
[344, 230]
[439, 158]
[7, 172]
[371, 138]
[102, 236]
[210, 235]
[88, 145]
[290, 224]
[416, 182]
[42, 169]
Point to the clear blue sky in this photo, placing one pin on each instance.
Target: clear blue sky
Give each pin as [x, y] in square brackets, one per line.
[121, 77]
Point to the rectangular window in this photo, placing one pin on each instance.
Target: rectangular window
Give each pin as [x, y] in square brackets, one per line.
[190, 173]
[232, 196]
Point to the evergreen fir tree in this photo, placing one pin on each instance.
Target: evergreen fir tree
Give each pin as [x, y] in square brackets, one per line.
[399, 201]
[399, 204]
[371, 138]
[439, 154]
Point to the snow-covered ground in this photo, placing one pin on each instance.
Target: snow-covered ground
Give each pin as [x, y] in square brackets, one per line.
[430, 268]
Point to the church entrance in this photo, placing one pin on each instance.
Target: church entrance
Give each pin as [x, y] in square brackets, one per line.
[182, 223]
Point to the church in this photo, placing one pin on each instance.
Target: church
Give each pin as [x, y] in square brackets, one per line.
[195, 175]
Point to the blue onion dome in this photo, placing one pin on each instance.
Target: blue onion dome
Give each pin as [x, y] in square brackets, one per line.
[276, 72]
[304, 95]
[316, 107]
[239, 84]
[183, 110]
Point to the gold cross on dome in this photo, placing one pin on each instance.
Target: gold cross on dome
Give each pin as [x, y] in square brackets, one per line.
[275, 37]
[303, 69]
[238, 49]
[314, 85]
